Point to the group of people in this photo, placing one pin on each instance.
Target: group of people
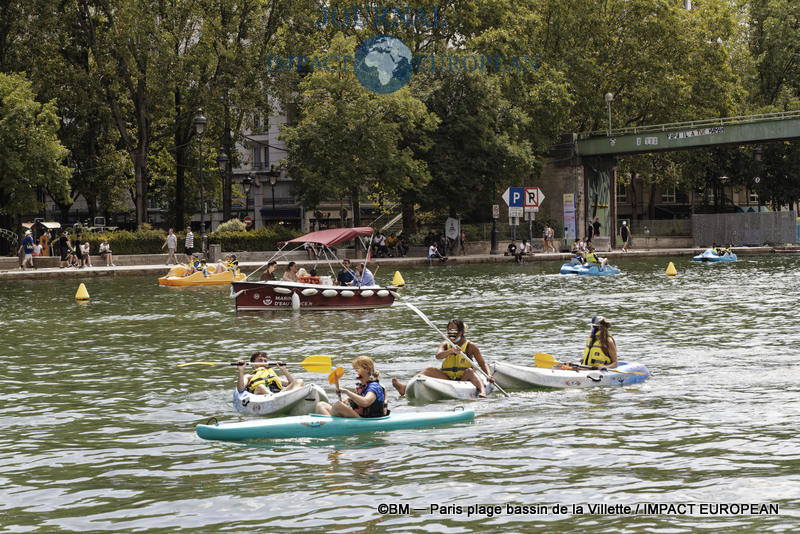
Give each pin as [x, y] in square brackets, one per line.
[197, 265]
[461, 360]
[78, 254]
[392, 246]
[519, 252]
[584, 253]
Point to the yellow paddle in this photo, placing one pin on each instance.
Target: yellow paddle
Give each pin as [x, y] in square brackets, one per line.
[334, 377]
[547, 361]
[314, 364]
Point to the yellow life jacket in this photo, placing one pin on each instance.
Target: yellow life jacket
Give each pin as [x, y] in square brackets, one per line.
[454, 365]
[266, 376]
[591, 257]
[593, 354]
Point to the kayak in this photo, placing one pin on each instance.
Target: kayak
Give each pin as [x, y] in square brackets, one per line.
[177, 277]
[426, 388]
[324, 426]
[710, 256]
[300, 401]
[518, 377]
[594, 270]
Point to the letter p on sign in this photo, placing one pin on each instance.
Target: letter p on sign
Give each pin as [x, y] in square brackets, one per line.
[533, 197]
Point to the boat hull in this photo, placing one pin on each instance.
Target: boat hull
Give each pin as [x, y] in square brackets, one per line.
[595, 270]
[300, 401]
[322, 426]
[519, 377]
[175, 277]
[279, 295]
[709, 256]
[423, 388]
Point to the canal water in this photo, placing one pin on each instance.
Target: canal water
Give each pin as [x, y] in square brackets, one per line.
[98, 420]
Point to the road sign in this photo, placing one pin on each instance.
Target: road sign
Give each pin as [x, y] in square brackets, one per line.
[514, 211]
[495, 211]
[533, 197]
[514, 197]
[248, 221]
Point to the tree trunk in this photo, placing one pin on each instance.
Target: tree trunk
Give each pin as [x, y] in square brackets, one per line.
[227, 149]
[356, 207]
[180, 163]
[409, 217]
[651, 205]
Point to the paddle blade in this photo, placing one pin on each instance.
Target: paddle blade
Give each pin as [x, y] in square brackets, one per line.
[337, 373]
[317, 364]
[544, 360]
[184, 364]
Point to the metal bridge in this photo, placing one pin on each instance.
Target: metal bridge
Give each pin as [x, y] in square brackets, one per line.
[691, 134]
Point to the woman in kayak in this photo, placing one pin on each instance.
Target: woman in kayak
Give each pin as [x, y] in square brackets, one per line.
[264, 379]
[601, 349]
[455, 366]
[369, 398]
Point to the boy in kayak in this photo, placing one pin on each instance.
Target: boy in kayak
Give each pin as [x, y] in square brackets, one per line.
[369, 398]
[592, 257]
[455, 366]
[264, 379]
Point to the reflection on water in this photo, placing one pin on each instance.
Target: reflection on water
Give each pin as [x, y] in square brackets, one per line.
[98, 419]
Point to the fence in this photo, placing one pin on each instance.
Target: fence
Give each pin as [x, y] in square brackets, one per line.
[774, 227]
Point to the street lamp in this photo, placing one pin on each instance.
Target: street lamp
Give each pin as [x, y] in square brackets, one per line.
[200, 128]
[273, 179]
[247, 184]
[609, 97]
[222, 162]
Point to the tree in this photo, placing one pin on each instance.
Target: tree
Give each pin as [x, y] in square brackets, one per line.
[352, 142]
[31, 155]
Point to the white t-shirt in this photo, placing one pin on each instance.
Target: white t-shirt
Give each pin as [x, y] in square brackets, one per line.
[85, 248]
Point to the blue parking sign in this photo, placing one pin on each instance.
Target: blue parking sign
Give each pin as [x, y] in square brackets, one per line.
[515, 197]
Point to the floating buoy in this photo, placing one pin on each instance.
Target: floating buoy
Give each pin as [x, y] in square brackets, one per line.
[82, 294]
[398, 279]
[295, 301]
[671, 269]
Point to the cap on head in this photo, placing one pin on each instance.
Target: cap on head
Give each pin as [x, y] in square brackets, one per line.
[624, 223]
[599, 320]
[27, 232]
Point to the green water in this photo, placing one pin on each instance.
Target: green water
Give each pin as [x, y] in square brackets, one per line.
[98, 422]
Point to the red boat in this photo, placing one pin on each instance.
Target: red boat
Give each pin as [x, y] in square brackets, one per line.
[282, 295]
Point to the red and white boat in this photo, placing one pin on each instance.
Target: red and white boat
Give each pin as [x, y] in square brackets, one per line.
[281, 295]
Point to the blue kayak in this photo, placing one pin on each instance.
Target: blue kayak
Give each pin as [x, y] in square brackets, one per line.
[593, 270]
[711, 256]
[323, 426]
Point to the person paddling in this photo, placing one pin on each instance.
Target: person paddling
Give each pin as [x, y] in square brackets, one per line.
[455, 366]
[369, 398]
[601, 349]
[264, 379]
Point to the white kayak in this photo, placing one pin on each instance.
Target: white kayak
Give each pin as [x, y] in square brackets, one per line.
[518, 377]
[426, 388]
[300, 401]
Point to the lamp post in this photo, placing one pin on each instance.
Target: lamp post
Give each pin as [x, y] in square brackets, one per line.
[609, 97]
[247, 184]
[273, 179]
[222, 162]
[200, 128]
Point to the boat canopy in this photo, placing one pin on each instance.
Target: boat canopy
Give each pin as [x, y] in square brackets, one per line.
[332, 236]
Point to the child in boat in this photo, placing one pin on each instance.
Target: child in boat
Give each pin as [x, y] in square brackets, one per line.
[264, 380]
[591, 257]
[455, 366]
[601, 349]
[369, 398]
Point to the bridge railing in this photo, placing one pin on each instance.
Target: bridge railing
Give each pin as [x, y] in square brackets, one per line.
[703, 123]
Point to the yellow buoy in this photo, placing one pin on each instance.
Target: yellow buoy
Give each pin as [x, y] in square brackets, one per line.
[671, 269]
[82, 294]
[398, 279]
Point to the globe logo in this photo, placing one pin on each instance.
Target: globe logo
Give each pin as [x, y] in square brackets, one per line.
[383, 64]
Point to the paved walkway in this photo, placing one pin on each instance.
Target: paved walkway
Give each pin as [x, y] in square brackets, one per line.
[156, 268]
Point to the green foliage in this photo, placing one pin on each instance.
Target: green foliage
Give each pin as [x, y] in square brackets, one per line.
[140, 241]
[30, 151]
[233, 225]
[266, 238]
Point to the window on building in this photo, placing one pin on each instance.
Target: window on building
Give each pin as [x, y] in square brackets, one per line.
[257, 156]
[752, 196]
[668, 193]
[266, 157]
[622, 192]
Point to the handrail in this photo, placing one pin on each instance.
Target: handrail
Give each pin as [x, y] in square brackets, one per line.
[724, 121]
